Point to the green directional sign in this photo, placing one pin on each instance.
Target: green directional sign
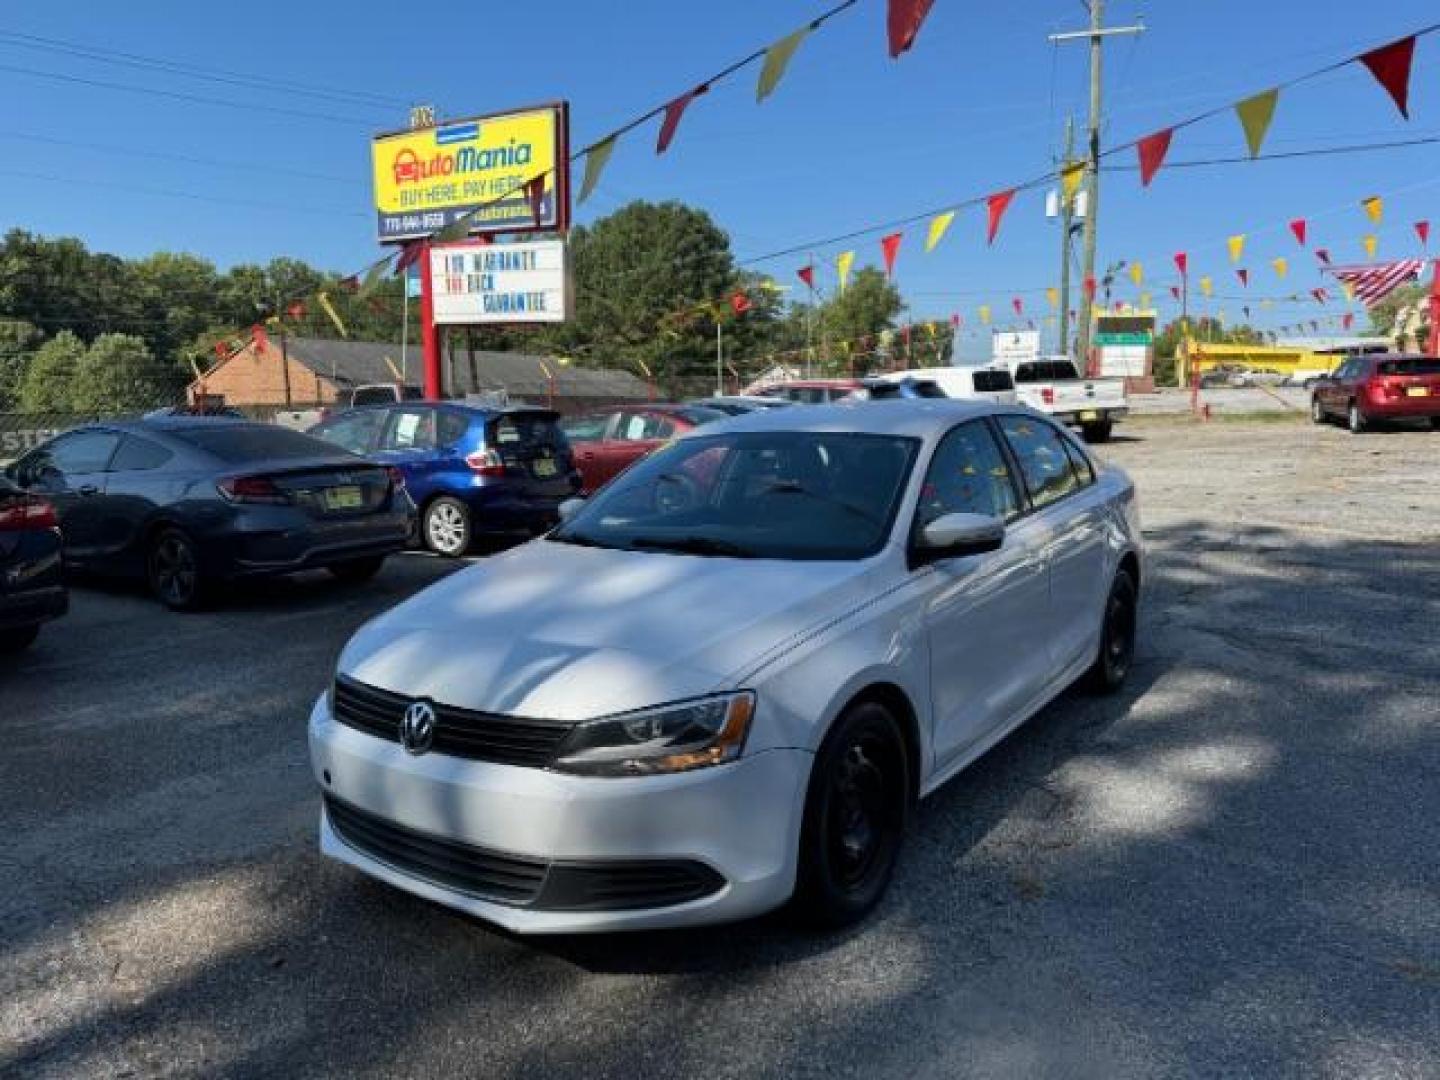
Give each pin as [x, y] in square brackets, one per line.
[1136, 337]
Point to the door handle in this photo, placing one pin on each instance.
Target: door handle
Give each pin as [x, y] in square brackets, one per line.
[89, 489]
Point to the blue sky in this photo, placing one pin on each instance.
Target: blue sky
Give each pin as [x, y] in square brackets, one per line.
[850, 138]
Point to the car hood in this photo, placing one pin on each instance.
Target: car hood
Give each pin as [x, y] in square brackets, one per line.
[571, 633]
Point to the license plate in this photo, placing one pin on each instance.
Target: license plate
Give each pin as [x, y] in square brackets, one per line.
[343, 498]
[1089, 414]
[1417, 391]
[544, 467]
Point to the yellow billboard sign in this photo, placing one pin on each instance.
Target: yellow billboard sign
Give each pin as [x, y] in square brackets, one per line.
[428, 178]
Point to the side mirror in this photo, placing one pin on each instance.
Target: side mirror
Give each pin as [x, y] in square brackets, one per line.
[568, 508]
[952, 536]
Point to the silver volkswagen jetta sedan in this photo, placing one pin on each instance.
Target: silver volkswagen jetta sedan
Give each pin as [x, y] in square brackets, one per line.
[722, 683]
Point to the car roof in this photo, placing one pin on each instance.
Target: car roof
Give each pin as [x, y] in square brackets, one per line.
[913, 417]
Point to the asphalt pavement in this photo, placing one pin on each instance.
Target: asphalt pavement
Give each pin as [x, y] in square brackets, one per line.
[1229, 869]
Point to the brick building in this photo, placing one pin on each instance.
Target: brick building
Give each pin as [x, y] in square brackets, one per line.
[315, 371]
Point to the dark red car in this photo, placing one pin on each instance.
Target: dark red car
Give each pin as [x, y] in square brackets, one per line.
[607, 442]
[1366, 390]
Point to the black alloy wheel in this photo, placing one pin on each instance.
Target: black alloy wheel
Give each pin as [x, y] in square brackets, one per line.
[1117, 636]
[855, 815]
[173, 572]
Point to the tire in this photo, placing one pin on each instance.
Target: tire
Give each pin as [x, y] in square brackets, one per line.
[1435, 423]
[1117, 637]
[172, 571]
[357, 571]
[1317, 412]
[1097, 432]
[1116, 655]
[445, 527]
[856, 810]
[13, 641]
[1356, 419]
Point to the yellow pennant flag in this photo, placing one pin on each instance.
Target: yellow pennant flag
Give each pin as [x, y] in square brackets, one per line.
[1137, 273]
[334, 316]
[1236, 244]
[1374, 207]
[1255, 115]
[1206, 286]
[843, 262]
[1070, 177]
[930, 327]
[1371, 242]
[595, 161]
[1281, 265]
[1348, 290]
[777, 59]
[985, 314]
[1052, 295]
[938, 225]
[1267, 303]
[1144, 299]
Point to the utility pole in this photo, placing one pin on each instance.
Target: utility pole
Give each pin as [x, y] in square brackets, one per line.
[1067, 215]
[1097, 35]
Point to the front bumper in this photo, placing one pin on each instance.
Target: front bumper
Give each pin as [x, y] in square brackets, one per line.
[738, 824]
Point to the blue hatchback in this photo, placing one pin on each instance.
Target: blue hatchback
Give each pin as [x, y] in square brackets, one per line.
[471, 471]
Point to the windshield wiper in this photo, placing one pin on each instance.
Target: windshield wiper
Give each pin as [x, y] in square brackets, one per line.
[691, 545]
[791, 487]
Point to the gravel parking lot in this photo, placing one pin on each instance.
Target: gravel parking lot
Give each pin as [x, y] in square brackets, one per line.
[1231, 868]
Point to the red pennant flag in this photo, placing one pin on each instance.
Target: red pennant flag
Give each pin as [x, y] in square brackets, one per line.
[807, 275]
[535, 195]
[296, 310]
[890, 247]
[409, 255]
[1323, 256]
[1422, 230]
[1298, 228]
[1244, 276]
[739, 302]
[1182, 263]
[221, 352]
[1152, 150]
[673, 112]
[1018, 305]
[1390, 64]
[955, 320]
[1119, 305]
[1320, 295]
[997, 204]
[1347, 320]
[1089, 287]
[1175, 291]
[259, 338]
[902, 21]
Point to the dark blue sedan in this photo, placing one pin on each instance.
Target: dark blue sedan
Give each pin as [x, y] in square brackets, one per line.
[472, 471]
[32, 589]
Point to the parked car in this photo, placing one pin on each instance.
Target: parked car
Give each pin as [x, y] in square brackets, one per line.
[973, 383]
[32, 586]
[1054, 386]
[1220, 375]
[1369, 390]
[723, 682]
[354, 398]
[606, 443]
[814, 391]
[470, 471]
[190, 503]
[738, 404]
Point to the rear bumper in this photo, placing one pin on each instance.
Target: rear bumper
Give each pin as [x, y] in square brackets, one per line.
[32, 607]
[1404, 408]
[32, 583]
[500, 510]
[1091, 416]
[266, 543]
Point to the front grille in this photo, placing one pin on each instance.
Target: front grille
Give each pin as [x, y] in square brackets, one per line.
[461, 733]
[485, 874]
[522, 882]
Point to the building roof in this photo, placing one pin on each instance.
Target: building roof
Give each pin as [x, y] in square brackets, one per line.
[356, 363]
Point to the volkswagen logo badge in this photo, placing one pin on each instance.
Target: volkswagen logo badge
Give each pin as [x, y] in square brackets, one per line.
[417, 727]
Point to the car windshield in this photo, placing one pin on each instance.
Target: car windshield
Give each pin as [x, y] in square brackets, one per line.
[763, 495]
[237, 443]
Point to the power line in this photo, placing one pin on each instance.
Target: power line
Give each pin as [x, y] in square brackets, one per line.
[171, 193]
[190, 71]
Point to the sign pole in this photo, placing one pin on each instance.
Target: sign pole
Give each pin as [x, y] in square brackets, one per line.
[429, 332]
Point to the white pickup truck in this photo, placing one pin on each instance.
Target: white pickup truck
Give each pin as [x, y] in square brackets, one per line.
[367, 394]
[1054, 385]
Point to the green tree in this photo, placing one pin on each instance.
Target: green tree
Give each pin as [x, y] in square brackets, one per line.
[18, 342]
[1410, 299]
[49, 379]
[868, 305]
[119, 375]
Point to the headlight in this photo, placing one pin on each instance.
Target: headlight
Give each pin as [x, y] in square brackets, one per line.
[665, 739]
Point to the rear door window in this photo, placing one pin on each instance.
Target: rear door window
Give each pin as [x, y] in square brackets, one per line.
[1044, 463]
[643, 426]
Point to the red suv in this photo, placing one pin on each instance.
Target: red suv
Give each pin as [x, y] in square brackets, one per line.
[1365, 390]
[605, 443]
